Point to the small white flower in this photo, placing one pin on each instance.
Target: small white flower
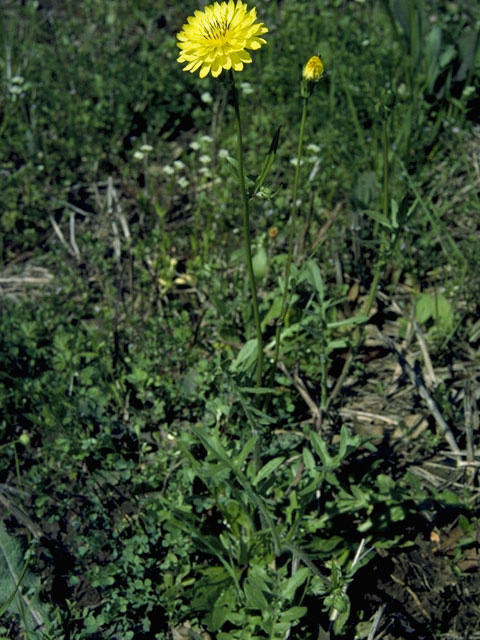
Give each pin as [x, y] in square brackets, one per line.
[182, 182]
[195, 145]
[205, 158]
[179, 165]
[206, 139]
[314, 148]
[206, 97]
[168, 170]
[146, 148]
[138, 155]
[223, 153]
[246, 88]
[15, 89]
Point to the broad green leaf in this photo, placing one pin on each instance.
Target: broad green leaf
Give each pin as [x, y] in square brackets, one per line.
[220, 614]
[246, 357]
[259, 263]
[294, 613]
[254, 597]
[292, 584]
[275, 309]
[435, 307]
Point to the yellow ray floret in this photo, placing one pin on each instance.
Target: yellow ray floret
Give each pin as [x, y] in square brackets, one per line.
[217, 38]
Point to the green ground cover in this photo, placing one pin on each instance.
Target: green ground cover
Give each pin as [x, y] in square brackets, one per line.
[148, 488]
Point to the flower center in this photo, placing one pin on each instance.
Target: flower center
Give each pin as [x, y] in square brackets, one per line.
[216, 30]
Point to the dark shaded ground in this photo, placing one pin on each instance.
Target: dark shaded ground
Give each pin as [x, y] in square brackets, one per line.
[425, 594]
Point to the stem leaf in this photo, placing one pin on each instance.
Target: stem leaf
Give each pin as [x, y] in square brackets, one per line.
[268, 162]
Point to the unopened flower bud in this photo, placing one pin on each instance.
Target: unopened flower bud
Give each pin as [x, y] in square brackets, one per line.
[312, 72]
[272, 232]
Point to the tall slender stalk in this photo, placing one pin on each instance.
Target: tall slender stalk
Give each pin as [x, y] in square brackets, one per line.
[246, 233]
[291, 238]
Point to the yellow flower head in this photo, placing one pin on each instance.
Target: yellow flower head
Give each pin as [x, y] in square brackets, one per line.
[217, 38]
[313, 70]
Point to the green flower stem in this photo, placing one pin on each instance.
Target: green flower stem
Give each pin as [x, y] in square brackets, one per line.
[246, 233]
[293, 222]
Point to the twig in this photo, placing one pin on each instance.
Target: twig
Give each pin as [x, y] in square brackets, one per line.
[413, 595]
[376, 622]
[26, 280]
[303, 391]
[73, 241]
[325, 227]
[469, 413]
[430, 373]
[60, 235]
[117, 246]
[75, 209]
[366, 415]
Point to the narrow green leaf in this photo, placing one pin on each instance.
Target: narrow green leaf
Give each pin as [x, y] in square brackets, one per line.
[268, 162]
[245, 452]
[321, 448]
[380, 218]
[308, 459]
[344, 439]
[314, 276]
[259, 389]
[268, 469]
[349, 321]
[212, 444]
[234, 166]
[217, 448]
